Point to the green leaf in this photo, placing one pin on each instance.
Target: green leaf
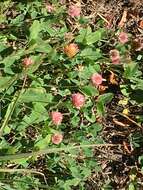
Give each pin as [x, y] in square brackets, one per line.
[130, 70]
[2, 47]
[88, 71]
[87, 152]
[138, 84]
[5, 82]
[102, 100]
[93, 37]
[100, 108]
[88, 53]
[97, 127]
[81, 38]
[75, 172]
[90, 90]
[34, 30]
[131, 186]
[42, 47]
[86, 172]
[75, 121]
[90, 118]
[36, 95]
[43, 143]
[105, 98]
[10, 60]
[4, 186]
[71, 182]
[38, 114]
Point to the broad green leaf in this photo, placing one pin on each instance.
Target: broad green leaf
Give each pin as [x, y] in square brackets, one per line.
[75, 121]
[10, 60]
[90, 90]
[43, 47]
[22, 162]
[81, 38]
[71, 182]
[5, 186]
[2, 47]
[43, 143]
[47, 27]
[100, 108]
[38, 114]
[138, 84]
[90, 118]
[87, 152]
[75, 172]
[18, 20]
[105, 98]
[93, 37]
[64, 92]
[86, 172]
[36, 95]
[35, 30]
[130, 70]
[101, 101]
[97, 127]
[5, 82]
[88, 53]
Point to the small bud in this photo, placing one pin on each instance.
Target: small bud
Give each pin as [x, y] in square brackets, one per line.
[74, 10]
[57, 138]
[27, 62]
[78, 100]
[57, 117]
[123, 38]
[96, 79]
[71, 50]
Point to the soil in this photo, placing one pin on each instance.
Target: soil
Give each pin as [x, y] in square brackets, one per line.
[119, 162]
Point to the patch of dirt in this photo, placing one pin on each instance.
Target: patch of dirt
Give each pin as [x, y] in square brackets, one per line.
[118, 161]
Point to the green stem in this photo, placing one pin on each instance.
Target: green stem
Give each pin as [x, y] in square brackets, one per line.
[52, 150]
[11, 108]
[9, 113]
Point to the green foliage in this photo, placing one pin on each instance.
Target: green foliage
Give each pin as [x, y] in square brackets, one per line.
[29, 93]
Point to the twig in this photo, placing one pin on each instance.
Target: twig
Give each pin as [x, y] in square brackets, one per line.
[134, 122]
[123, 19]
[103, 18]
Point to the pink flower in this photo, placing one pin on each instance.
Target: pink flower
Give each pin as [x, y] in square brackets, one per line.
[96, 79]
[115, 56]
[27, 62]
[78, 100]
[50, 8]
[57, 138]
[123, 37]
[74, 10]
[57, 117]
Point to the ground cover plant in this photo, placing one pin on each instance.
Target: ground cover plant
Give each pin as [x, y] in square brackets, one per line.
[71, 88]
